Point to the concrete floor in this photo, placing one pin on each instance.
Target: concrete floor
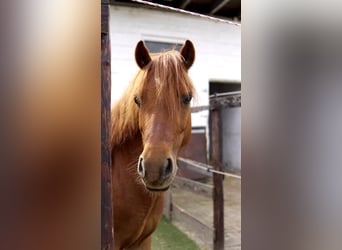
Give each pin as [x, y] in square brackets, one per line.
[201, 208]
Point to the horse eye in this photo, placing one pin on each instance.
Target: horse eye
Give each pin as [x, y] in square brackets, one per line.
[137, 100]
[187, 99]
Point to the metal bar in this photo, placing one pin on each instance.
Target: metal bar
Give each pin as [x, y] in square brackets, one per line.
[204, 168]
[194, 166]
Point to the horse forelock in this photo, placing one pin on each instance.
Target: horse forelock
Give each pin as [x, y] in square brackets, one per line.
[169, 79]
[167, 75]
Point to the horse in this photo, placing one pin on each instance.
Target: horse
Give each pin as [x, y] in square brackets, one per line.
[151, 122]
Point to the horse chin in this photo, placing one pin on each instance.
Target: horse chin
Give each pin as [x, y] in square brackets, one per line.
[157, 188]
[153, 189]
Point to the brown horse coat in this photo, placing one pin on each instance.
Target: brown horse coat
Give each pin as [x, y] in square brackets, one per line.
[150, 123]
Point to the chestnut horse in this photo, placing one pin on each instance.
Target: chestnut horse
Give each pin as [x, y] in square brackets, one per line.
[151, 122]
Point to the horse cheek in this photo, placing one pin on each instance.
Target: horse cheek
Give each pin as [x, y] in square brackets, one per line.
[186, 133]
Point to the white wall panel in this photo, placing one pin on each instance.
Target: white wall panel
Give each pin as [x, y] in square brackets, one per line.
[218, 47]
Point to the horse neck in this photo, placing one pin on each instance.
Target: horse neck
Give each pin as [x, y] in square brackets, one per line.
[125, 156]
[124, 121]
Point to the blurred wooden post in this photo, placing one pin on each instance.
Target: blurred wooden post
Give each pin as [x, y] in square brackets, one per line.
[107, 237]
[168, 205]
[218, 181]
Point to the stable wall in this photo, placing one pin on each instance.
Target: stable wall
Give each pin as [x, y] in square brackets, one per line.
[218, 48]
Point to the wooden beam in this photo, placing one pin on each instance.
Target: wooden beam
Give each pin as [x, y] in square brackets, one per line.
[223, 100]
[180, 214]
[216, 7]
[194, 186]
[218, 181]
[107, 237]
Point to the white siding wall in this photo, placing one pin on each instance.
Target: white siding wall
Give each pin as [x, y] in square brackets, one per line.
[218, 47]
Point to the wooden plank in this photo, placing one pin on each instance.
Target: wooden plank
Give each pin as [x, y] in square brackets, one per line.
[218, 182]
[195, 225]
[194, 186]
[107, 237]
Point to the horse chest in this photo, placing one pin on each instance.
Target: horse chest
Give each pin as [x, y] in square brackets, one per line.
[136, 214]
[139, 225]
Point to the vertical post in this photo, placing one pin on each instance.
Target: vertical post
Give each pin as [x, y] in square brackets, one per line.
[218, 181]
[167, 212]
[107, 237]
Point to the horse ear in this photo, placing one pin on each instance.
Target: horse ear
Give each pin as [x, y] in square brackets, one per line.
[142, 55]
[188, 53]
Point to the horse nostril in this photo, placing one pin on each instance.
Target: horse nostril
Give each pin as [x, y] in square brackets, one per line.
[168, 169]
[141, 167]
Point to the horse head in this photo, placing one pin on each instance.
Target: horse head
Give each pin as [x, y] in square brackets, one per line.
[163, 102]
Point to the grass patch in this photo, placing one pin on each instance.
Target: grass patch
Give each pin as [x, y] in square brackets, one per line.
[167, 236]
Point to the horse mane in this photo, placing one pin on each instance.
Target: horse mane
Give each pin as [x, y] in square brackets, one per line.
[168, 75]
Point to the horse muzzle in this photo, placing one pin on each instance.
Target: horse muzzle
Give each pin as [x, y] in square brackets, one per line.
[157, 172]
